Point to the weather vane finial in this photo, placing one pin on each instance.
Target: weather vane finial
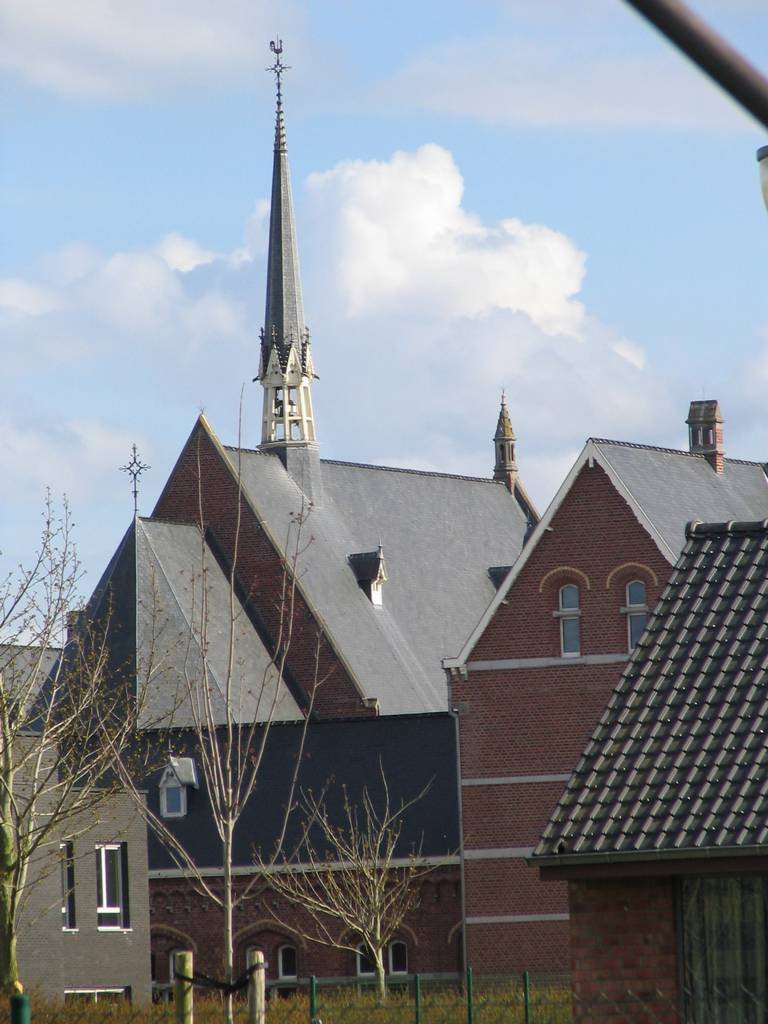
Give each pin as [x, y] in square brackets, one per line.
[135, 467]
[276, 46]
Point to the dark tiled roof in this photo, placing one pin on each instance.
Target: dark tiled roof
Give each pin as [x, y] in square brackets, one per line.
[679, 761]
[413, 751]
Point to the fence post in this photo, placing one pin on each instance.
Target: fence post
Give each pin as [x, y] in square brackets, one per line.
[182, 990]
[312, 1000]
[257, 987]
[470, 998]
[527, 997]
[20, 1009]
[417, 997]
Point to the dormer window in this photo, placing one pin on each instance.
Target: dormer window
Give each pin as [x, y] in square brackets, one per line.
[371, 574]
[568, 612]
[180, 774]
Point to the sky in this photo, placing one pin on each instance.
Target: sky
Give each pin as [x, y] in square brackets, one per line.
[534, 195]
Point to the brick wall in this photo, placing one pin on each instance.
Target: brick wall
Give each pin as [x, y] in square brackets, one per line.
[536, 720]
[623, 938]
[203, 480]
[183, 919]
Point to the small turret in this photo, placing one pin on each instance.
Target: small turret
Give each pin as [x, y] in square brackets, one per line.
[504, 444]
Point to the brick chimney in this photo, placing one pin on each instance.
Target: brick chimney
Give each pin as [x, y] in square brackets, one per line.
[705, 433]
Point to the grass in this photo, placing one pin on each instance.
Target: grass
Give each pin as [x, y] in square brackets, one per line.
[493, 1004]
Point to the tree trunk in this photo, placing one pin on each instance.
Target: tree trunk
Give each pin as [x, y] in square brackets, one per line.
[381, 982]
[9, 968]
[228, 931]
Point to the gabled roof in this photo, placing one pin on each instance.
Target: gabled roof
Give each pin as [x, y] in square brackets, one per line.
[678, 765]
[440, 533]
[156, 599]
[665, 488]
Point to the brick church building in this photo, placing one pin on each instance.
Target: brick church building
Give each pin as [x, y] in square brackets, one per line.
[339, 587]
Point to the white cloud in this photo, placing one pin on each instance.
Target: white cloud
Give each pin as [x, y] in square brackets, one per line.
[183, 254]
[113, 49]
[403, 237]
[26, 298]
[584, 81]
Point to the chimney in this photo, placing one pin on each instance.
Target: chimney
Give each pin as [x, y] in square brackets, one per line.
[705, 433]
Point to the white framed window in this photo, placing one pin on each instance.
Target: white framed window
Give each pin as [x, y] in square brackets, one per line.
[97, 995]
[569, 612]
[286, 962]
[636, 610]
[398, 957]
[68, 910]
[365, 965]
[173, 798]
[112, 886]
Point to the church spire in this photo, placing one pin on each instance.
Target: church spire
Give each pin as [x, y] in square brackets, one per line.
[504, 444]
[285, 369]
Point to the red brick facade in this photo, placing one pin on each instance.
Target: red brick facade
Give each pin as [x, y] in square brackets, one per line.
[523, 725]
[624, 943]
[182, 919]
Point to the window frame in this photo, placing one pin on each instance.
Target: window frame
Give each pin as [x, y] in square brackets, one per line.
[281, 973]
[172, 783]
[68, 901]
[566, 616]
[106, 912]
[361, 952]
[635, 611]
[390, 948]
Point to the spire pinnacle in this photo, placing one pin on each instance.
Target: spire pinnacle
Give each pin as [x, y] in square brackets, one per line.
[504, 444]
[286, 368]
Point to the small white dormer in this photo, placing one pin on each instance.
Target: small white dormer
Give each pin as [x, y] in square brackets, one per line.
[371, 573]
[180, 773]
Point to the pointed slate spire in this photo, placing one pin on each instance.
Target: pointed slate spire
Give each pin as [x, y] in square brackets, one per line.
[504, 444]
[286, 368]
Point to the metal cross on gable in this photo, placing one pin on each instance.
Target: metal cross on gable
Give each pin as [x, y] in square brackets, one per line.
[135, 467]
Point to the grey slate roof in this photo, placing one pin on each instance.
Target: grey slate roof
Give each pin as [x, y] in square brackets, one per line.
[440, 535]
[673, 487]
[679, 762]
[150, 599]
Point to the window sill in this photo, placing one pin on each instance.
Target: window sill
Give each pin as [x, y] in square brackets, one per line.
[113, 928]
[70, 931]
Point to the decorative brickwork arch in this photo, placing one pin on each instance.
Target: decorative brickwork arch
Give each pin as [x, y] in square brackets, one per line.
[565, 571]
[179, 938]
[454, 931]
[268, 924]
[631, 567]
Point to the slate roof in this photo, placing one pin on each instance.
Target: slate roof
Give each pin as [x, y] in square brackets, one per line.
[673, 487]
[155, 592]
[412, 750]
[678, 765]
[440, 535]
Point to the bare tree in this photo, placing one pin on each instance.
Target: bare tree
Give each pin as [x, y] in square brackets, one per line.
[63, 715]
[350, 875]
[228, 707]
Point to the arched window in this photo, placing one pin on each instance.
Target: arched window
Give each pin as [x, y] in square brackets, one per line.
[568, 612]
[636, 611]
[286, 962]
[365, 965]
[398, 957]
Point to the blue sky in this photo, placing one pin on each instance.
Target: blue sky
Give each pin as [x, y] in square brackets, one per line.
[530, 194]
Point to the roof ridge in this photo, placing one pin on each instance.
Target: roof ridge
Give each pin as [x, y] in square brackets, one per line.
[695, 528]
[670, 451]
[416, 472]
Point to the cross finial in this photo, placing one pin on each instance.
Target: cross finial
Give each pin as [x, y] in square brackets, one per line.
[276, 46]
[135, 467]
